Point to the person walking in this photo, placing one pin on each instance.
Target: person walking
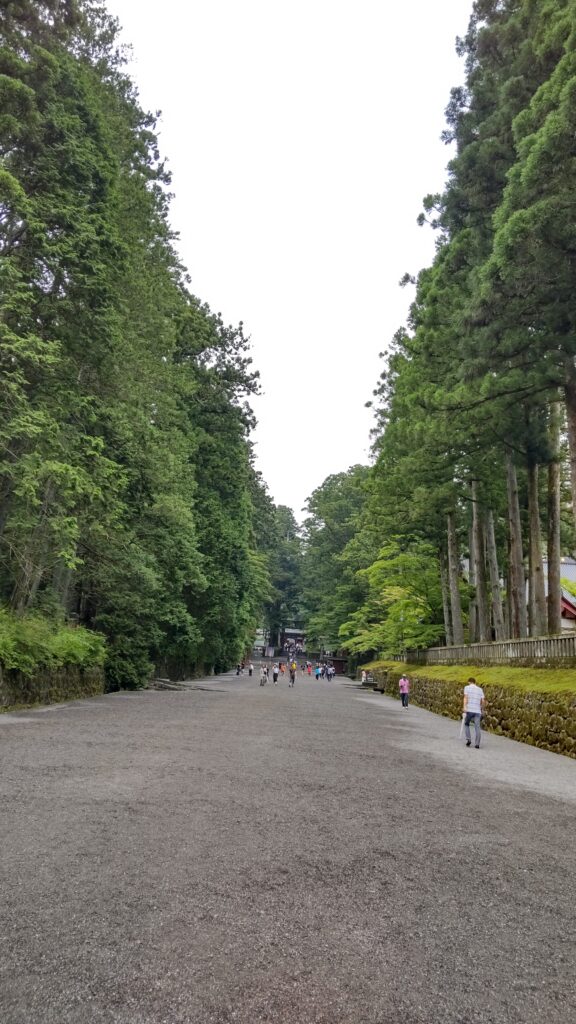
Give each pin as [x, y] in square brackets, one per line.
[250, 669]
[473, 710]
[292, 674]
[275, 671]
[404, 687]
[263, 675]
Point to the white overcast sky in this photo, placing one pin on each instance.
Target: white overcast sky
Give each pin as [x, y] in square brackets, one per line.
[302, 136]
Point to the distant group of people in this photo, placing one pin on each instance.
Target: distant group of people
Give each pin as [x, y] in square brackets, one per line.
[279, 668]
[242, 665]
[324, 671]
[472, 708]
[293, 649]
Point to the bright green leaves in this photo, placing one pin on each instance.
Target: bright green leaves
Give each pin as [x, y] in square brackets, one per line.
[491, 335]
[403, 606]
[284, 601]
[331, 586]
[17, 101]
[127, 495]
[32, 642]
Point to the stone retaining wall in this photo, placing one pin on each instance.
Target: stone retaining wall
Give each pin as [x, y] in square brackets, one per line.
[50, 686]
[545, 720]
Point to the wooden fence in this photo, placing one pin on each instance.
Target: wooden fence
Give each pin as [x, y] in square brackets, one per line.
[548, 650]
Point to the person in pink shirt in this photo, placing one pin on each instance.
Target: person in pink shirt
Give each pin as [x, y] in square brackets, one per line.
[404, 687]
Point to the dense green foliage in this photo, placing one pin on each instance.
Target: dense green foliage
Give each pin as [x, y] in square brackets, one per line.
[331, 588]
[403, 606]
[283, 608]
[475, 441]
[129, 502]
[128, 498]
[31, 642]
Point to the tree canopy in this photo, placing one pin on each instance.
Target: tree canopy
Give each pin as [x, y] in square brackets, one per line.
[129, 502]
[472, 491]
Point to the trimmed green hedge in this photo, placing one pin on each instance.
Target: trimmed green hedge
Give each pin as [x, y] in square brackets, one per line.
[545, 718]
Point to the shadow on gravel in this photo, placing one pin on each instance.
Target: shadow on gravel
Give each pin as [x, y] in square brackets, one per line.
[172, 687]
[205, 689]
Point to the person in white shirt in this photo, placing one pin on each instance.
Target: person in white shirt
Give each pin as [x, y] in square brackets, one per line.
[474, 701]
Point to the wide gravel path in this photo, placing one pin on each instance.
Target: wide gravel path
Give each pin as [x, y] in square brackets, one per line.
[232, 854]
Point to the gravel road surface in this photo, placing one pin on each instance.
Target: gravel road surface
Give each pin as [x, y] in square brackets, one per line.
[235, 854]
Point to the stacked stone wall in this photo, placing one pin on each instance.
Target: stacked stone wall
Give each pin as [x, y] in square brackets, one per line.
[50, 686]
[546, 720]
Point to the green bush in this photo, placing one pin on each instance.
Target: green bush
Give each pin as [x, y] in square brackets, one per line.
[30, 642]
[126, 670]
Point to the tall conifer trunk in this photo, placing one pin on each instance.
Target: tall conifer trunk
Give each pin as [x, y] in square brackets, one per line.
[570, 399]
[4, 511]
[472, 609]
[62, 578]
[445, 598]
[518, 616]
[537, 594]
[553, 539]
[454, 577]
[508, 604]
[7, 483]
[483, 617]
[35, 582]
[35, 558]
[492, 556]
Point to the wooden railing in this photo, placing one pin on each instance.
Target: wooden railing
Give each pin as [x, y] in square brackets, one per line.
[545, 650]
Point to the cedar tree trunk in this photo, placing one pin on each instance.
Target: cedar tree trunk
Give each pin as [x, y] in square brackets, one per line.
[454, 577]
[492, 555]
[536, 572]
[518, 617]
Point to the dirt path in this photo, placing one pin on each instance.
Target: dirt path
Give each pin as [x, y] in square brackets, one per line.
[233, 854]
